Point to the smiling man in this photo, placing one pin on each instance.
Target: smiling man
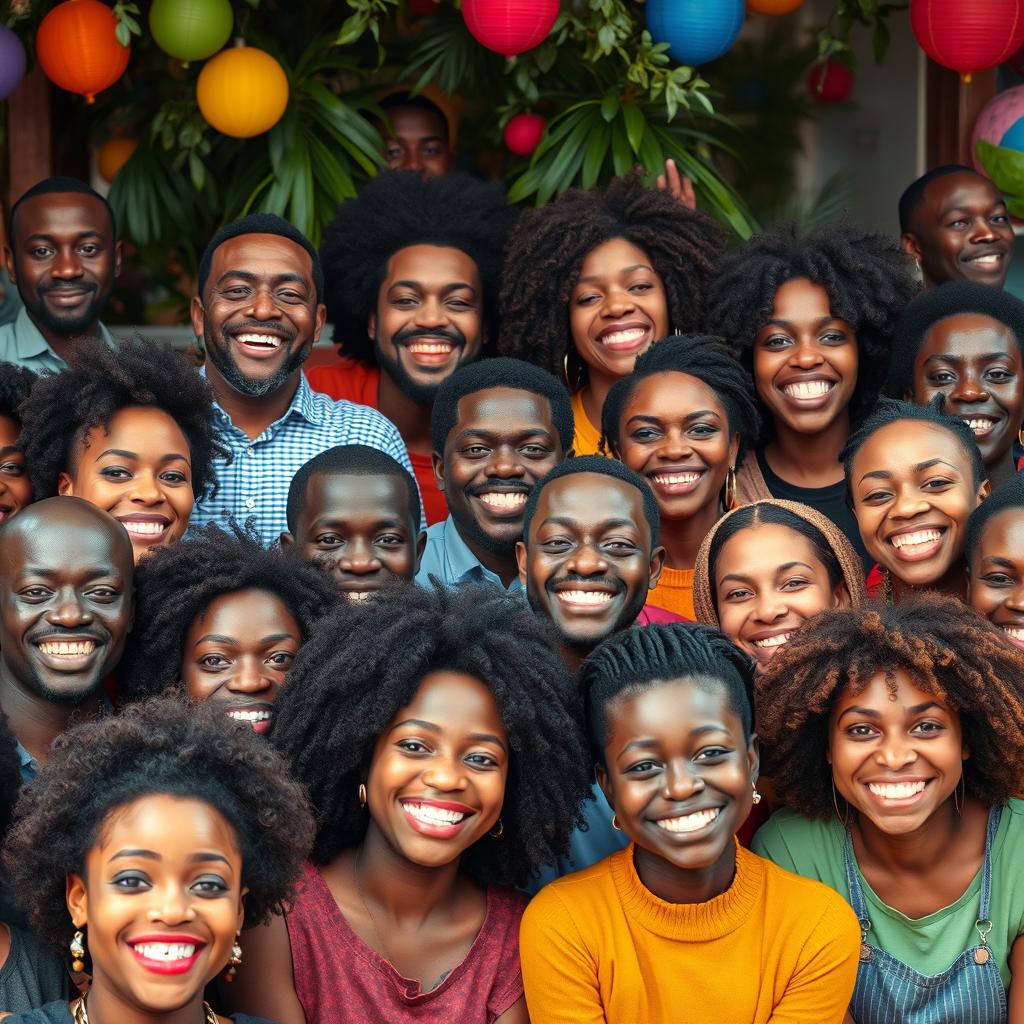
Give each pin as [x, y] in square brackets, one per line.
[498, 427]
[412, 269]
[259, 312]
[63, 255]
[954, 222]
[66, 605]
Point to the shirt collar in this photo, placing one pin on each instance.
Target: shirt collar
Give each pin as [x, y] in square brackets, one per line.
[30, 340]
[29, 765]
[303, 404]
[462, 565]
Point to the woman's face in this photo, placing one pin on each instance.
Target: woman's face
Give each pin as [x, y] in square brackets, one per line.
[160, 902]
[436, 782]
[768, 581]
[618, 308]
[238, 652]
[896, 756]
[996, 581]
[140, 471]
[912, 489]
[679, 773]
[805, 360]
[15, 488]
[674, 432]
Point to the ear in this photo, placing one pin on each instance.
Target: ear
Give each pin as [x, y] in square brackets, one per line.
[77, 900]
[64, 485]
[321, 319]
[197, 315]
[287, 540]
[984, 491]
[908, 243]
[841, 597]
[421, 546]
[754, 757]
[371, 326]
[9, 264]
[605, 783]
[521, 561]
[657, 564]
[437, 462]
[118, 258]
[241, 908]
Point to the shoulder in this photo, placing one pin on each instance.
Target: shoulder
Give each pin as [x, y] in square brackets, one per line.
[56, 1012]
[1010, 838]
[573, 897]
[789, 839]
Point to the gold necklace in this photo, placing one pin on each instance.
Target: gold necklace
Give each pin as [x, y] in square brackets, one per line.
[80, 1015]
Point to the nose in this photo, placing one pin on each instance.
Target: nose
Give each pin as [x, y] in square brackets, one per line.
[1015, 598]
[681, 781]
[969, 388]
[263, 305]
[895, 753]
[909, 503]
[806, 354]
[170, 905]
[675, 445]
[587, 560]
[505, 463]
[69, 610]
[431, 312]
[982, 230]
[66, 265]
[769, 607]
[249, 676]
[617, 303]
[445, 774]
[359, 559]
[146, 489]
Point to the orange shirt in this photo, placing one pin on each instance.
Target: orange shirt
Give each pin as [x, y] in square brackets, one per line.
[674, 593]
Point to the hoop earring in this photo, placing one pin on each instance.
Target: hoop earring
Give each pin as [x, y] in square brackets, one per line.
[234, 961]
[1020, 436]
[362, 794]
[77, 953]
[757, 796]
[615, 823]
[729, 493]
[961, 789]
[844, 818]
[500, 831]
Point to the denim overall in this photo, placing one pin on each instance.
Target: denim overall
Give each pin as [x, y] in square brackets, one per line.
[888, 991]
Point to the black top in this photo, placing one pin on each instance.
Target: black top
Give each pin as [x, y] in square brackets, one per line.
[31, 975]
[58, 1013]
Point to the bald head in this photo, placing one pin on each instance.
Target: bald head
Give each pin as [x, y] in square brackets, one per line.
[62, 513]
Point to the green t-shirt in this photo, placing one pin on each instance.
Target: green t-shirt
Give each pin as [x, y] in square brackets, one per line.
[929, 944]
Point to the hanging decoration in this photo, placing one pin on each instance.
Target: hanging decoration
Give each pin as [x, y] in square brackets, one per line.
[773, 7]
[831, 82]
[997, 145]
[78, 49]
[113, 155]
[242, 92]
[191, 29]
[12, 62]
[968, 35]
[696, 31]
[510, 26]
[523, 133]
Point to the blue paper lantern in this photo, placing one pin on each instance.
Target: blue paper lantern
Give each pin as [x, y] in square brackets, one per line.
[696, 30]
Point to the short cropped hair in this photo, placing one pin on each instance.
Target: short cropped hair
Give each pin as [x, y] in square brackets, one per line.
[58, 184]
[913, 194]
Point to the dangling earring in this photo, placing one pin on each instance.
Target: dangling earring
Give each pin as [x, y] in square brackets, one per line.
[844, 818]
[362, 794]
[77, 953]
[729, 495]
[1020, 437]
[615, 823]
[500, 831]
[757, 796]
[234, 961]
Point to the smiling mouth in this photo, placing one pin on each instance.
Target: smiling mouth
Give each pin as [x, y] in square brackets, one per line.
[358, 595]
[250, 717]
[678, 482]
[988, 259]
[982, 426]
[917, 544]
[627, 338]
[267, 342]
[585, 598]
[146, 531]
[168, 952]
[431, 815]
[1015, 634]
[503, 502]
[771, 642]
[897, 790]
[67, 648]
[686, 823]
[808, 390]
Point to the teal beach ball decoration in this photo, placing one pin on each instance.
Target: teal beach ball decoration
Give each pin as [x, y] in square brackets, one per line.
[697, 31]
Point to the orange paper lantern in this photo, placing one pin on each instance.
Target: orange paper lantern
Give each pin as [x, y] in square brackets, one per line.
[242, 92]
[78, 49]
[773, 7]
[113, 155]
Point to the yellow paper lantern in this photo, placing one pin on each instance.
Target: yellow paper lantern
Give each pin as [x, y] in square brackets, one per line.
[773, 7]
[242, 92]
[113, 155]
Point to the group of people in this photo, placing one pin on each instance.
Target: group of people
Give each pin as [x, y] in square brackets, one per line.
[628, 623]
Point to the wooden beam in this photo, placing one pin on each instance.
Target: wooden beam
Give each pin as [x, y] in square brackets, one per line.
[30, 146]
[952, 108]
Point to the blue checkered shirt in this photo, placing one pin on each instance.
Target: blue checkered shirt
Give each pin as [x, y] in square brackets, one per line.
[255, 484]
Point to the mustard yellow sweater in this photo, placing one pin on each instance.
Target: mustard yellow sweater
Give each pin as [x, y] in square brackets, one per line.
[598, 946]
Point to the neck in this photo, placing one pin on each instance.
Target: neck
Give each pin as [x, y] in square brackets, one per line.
[809, 460]
[954, 583]
[105, 1005]
[251, 414]
[682, 538]
[63, 344]
[1003, 470]
[505, 567]
[411, 418]
[594, 392]
[916, 852]
[679, 885]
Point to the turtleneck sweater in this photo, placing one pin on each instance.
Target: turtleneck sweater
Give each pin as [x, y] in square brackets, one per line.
[774, 948]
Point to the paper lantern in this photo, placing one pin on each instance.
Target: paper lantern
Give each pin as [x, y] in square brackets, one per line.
[12, 62]
[523, 133]
[78, 50]
[968, 35]
[509, 26]
[191, 29]
[773, 7]
[242, 92]
[696, 30]
[830, 82]
[113, 155]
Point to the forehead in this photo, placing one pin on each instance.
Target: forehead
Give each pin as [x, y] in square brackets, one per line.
[969, 334]
[142, 429]
[503, 411]
[440, 264]
[613, 256]
[417, 123]
[456, 701]
[1003, 535]
[589, 499]
[243, 611]
[962, 190]
[669, 711]
[339, 495]
[763, 548]
[64, 547]
[165, 824]
[262, 255]
[62, 214]
[673, 393]
[878, 694]
[801, 299]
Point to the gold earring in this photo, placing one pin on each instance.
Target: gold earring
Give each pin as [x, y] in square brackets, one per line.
[757, 796]
[1020, 436]
[729, 497]
[500, 831]
[77, 953]
[844, 818]
[234, 961]
[615, 823]
[362, 794]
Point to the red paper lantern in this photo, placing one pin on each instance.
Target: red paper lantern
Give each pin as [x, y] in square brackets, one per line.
[523, 133]
[77, 47]
[968, 35]
[830, 82]
[509, 26]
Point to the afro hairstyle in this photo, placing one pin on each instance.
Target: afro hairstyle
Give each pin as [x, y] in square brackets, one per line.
[366, 664]
[15, 385]
[398, 209]
[499, 373]
[603, 467]
[931, 307]
[868, 280]
[100, 381]
[10, 774]
[159, 747]
[57, 185]
[178, 582]
[702, 357]
[548, 247]
[1009, 495]
[913, 194]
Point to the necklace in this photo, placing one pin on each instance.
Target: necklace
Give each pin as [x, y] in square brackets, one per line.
[373, 921]
[80, 1015]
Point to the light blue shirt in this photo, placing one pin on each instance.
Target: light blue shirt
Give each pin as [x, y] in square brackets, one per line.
[22, 343]
[447, 556]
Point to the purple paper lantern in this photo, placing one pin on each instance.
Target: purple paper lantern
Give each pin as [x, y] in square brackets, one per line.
[12, 62]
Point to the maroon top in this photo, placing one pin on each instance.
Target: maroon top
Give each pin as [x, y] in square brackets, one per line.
[338, 978]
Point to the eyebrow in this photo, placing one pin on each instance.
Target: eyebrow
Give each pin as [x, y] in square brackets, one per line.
[218, 638]
[336, 520]
[648, 742]
[247, 275]
[820, 322]
[10, 449]
[624, 270]
[454, 286]
[90, 233]
[194, 858]
[134, 456]
[642, 418]
[477, 737]
[572, 524]
[871, 713]
[999, 560]
[93, 574]
[919, 468]
[949, 357]
[490, 435]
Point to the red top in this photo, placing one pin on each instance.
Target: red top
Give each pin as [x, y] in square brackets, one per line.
[358, 383]
[339, 979]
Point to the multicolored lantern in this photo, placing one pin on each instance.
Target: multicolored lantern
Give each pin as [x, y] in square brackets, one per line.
[12, 62]
[191, 29]
[509, 26]
[242, 92]
[113, 155]
[78, 49]
[830, 82]
[968, 35]
[773, 7]
[696, 30]
[523, 133]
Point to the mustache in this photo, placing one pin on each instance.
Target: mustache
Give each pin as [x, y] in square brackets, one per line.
[452, 334]
[574, 577]
[260, 327]
[67, 286]
[59, 633]
[492, 484]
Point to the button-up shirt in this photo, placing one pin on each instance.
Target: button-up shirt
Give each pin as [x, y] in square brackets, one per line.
[29, 765]
[22, 342]
[254, 486]
[447, 556]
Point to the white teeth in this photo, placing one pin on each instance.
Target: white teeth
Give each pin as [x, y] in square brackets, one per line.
[983, 426]
[624, 337]
[431, 815]
[1015, 631]
[145, 529]
[689, 822]
[165, 950]
[249, 716]
[808, 388]
[431, 347]
[991, 258]
[67, 648]
[676, 478]
[773, 641]
[896, 790]
[267, 340]
[503, 499]
[589, 597]
[916, 539]
[358, 595]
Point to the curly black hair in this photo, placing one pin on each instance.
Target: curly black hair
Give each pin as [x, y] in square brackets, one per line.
[398, 209]
[697, 355]
[868, 279]
[15, 385]
[101, 381]
[364, 665]
[178, 582]
[159, 747]
[1009, 495]
[948, 650]
[548, 247]
[10, 774]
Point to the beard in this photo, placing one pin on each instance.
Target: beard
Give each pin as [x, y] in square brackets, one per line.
[253, 387]
[67, 323]
[540, 604]
[414, 390]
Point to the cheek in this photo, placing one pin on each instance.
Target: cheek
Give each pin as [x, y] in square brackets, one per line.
[399, 562]
[983, 598]
[634, 455]
[655, 304]
[199, 685]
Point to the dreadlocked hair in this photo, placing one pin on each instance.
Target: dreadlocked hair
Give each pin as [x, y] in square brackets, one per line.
[867, 278]
[99, 382]
[178, 582]
[947, 649]
[364, 665]
[548, 247]
[15, 384]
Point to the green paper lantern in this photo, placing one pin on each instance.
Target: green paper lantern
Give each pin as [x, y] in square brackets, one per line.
[191, 29]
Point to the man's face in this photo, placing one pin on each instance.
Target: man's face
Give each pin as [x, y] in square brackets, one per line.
[63, 258]
[259, 316]
[588, 562]
[65, 601]
[961, 231]
[429, 318]
[418, 141]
